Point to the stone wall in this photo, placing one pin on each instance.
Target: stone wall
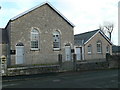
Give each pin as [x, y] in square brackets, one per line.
[91, 65]
[113, 60]
[93, 42]
[32, 70]
[46, 21]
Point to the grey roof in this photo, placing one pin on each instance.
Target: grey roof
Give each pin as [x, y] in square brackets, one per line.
[116, 49]
[16, 17]
[3, 36]
[80, 39]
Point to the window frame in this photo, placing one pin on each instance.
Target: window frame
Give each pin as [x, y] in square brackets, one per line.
[31, 39]
[89, 48]
[100, 47]
[107, 49]
[56, 34]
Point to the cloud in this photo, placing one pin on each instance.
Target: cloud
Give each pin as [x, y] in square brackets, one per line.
[85, 14]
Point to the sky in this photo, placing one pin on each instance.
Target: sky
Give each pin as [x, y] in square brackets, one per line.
[86, 15]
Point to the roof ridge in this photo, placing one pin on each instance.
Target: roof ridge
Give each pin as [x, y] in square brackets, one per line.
[37, 6]
[27, 11]
[88, 32]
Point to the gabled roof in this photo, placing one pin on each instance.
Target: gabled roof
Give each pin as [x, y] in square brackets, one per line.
[3, 36]
[84, 38]
[20, 15]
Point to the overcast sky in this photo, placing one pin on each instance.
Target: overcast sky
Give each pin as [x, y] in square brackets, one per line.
[86, 15]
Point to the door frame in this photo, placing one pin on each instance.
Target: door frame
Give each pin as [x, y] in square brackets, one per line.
[20, 46]
[70, 54]
[82, 52]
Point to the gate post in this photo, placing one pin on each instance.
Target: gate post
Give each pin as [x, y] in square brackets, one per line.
[107, 58]
[60, 59]
[74, 62]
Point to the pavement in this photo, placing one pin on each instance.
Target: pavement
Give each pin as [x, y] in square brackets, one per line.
[81, 79]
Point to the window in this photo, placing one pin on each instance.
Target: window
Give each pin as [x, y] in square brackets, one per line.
[34, 39]
[89, 49]
[108, 49]
[99, 47]
[56, 40]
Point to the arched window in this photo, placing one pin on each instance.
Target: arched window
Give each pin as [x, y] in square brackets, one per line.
[107, 49]
[99, 47]
[89, 49]
[34, 39]
[56, 40]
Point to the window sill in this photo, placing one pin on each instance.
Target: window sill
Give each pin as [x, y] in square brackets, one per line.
[56, 49]
[99, 52]
[89, 53]
[34, 49]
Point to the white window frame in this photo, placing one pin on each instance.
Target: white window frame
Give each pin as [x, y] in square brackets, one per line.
[107, 49]
[38, 35]
[89, 49]
[55, 33]
[100, 44]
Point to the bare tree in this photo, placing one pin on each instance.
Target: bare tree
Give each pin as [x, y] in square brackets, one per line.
[107, 27]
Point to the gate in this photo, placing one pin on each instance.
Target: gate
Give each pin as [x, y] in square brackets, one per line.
[67, 65]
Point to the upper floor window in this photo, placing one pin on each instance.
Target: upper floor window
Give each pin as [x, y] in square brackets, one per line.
[99, 47]
[34, 39]
[107, 49]
[89, 49]
[56, 40]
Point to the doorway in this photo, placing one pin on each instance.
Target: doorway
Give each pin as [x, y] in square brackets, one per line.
[19, 53]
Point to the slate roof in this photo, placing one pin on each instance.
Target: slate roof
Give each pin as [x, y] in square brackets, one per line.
[3, 36]
[116, 49]
[80, 39]
[83, 38]
[47, 3]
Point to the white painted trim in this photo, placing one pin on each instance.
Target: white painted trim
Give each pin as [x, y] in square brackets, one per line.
[56, 49]
[106, 37]
[96, 34]
[83, 53]
[91, 38]
[16, 17]
[83, 57]
[38, 38]
[34, 49]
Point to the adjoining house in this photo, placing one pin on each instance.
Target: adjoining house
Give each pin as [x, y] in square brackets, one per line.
[3, 42]
[92, 45]
[37, 36]
[116, 50]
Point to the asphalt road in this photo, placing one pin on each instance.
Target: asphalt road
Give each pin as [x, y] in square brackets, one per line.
[86, 79]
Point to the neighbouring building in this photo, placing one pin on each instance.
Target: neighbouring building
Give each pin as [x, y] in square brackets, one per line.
[92, 45]
[3, 42]
[37, 36]
[116, 50]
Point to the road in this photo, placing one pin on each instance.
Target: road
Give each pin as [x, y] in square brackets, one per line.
[86, 79]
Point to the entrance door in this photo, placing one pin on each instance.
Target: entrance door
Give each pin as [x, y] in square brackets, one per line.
[19, 54]
[68, 53]
[78, 53]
